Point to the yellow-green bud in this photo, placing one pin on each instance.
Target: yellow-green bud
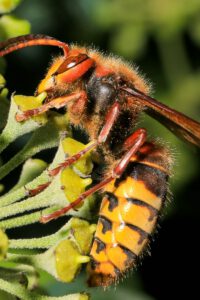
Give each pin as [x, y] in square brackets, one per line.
[68, 260]
[71, 147]
[3, 244]
[2, 81]
[73, 184]
[82, 232]
[70, 253]
[30, 102]
[8, 5]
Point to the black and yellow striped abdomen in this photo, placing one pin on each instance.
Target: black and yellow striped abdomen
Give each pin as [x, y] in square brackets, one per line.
[128, 214]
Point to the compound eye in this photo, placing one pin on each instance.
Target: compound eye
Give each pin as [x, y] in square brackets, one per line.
[71, 62]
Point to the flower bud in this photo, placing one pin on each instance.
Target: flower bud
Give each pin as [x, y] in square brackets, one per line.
[2, 81]
[68, 260]
[82, 232]
[8, 5]
[70, 253]
[83, 164]
[29, 102]
[3, 244]
[72, 183]
[64, 259]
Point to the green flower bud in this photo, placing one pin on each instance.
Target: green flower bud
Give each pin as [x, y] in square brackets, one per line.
[69, 253]
[2, 81]
[73, 184]
[84, 164]
[29, 102]
[82, 232]
[12, 26]
[3, 244]
[8, 5]
[68, 260]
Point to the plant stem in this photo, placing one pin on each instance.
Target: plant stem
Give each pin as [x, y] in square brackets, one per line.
[44, 138]
[52, 195]
[22, 293]
[43, 242]
[24, 220]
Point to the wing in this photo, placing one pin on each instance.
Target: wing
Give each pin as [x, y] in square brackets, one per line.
[181, 125]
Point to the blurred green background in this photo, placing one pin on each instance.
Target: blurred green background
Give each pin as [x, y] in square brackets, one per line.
[163, 39]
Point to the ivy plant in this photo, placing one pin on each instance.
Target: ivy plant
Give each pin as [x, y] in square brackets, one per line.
[65, 250]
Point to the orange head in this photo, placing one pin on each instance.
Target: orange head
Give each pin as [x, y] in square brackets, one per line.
[64, 70]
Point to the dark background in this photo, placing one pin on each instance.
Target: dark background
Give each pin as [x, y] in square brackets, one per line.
[163, 39]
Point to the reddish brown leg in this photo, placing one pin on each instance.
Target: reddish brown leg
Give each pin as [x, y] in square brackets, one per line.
[138, 138]
[38, 189]
[55, 103]
[110, 119]
[72, 159]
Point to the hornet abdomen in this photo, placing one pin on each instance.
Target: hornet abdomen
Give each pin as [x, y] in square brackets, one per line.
[128, 215]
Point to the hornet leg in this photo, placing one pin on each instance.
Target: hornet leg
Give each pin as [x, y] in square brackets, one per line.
[138, 138]
[55, 103]
[110, 119]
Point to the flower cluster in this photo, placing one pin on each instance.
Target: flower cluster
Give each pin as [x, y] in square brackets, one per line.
[62, 253]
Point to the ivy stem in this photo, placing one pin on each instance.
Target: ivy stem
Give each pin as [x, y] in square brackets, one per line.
[5, 140]
[15, 289]
[52, 195]
[24, 220]
[43, 242]
[14, 129]
[22, 293]
[20, 193]
[44, 138]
